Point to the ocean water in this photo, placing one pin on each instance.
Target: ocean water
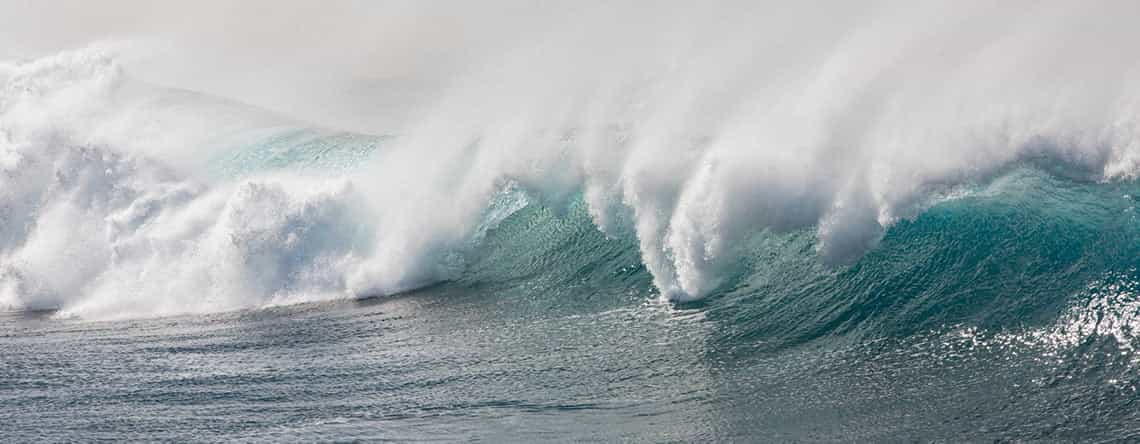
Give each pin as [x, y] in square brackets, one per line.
[886, 230]
[456, 365]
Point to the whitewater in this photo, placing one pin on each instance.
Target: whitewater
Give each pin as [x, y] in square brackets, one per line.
[871, 205]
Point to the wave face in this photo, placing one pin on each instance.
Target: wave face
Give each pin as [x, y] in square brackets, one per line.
[1028, 248]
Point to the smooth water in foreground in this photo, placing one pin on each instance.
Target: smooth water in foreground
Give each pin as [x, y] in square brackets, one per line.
[450, 365]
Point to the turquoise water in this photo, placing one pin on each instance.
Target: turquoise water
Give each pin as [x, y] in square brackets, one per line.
[296, 149]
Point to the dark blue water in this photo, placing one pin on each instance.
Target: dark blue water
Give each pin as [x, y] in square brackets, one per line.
[1010, 314]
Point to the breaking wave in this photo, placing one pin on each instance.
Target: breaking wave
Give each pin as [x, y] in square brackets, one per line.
[123, 198]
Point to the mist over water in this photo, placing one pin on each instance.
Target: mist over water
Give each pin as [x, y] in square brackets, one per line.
[693, 128]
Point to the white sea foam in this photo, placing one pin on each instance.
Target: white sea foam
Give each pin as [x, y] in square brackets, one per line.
[96, 222]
